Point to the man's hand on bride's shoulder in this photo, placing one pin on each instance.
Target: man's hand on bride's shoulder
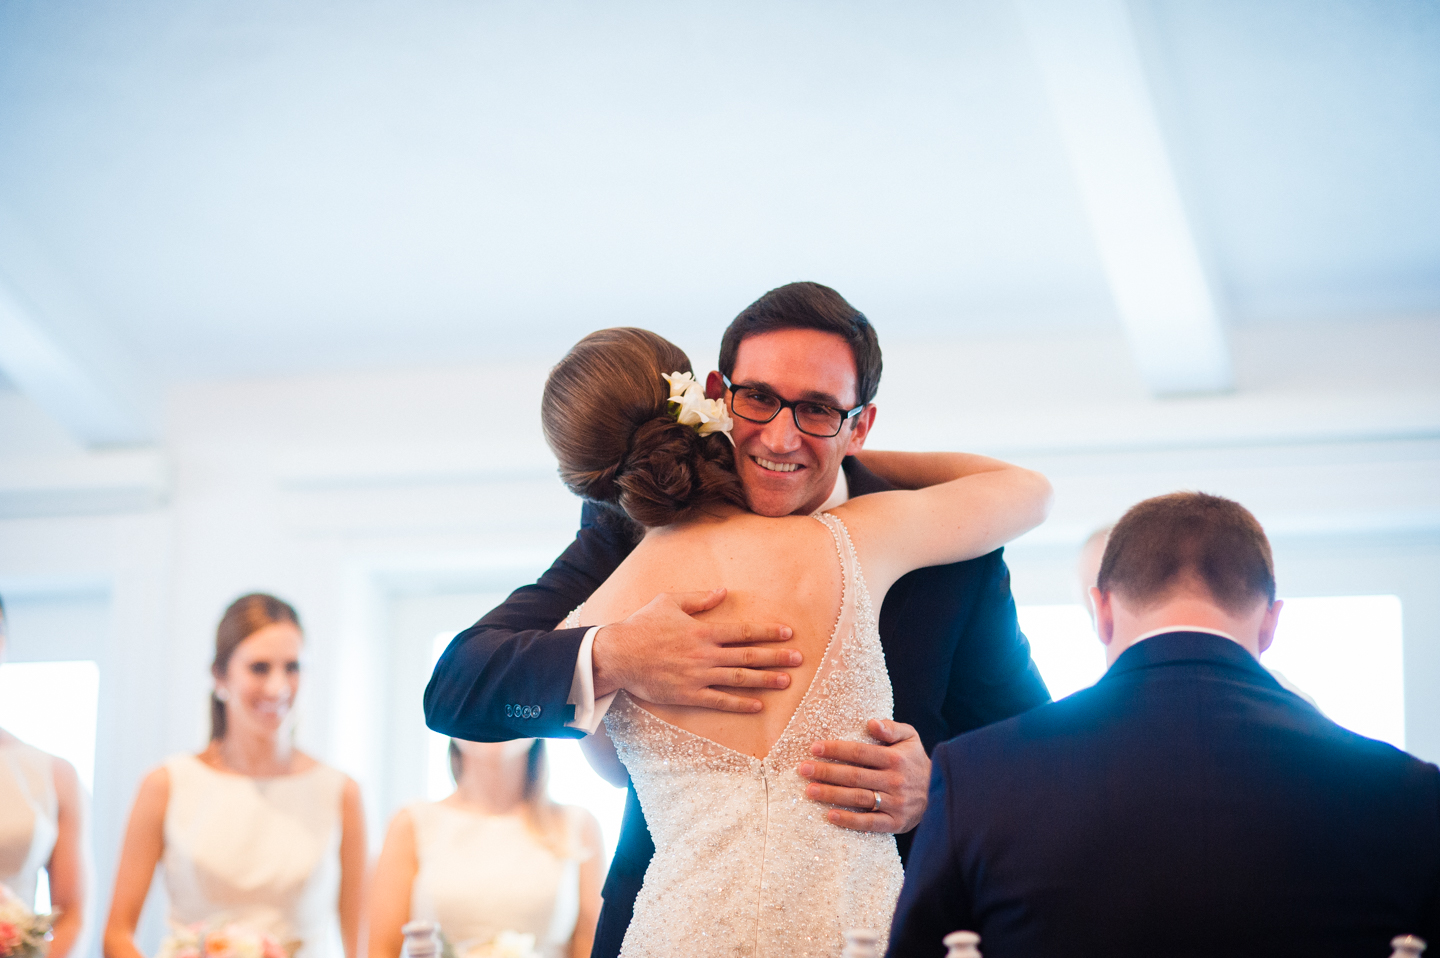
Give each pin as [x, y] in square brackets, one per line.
[879, 788]
[663, 654]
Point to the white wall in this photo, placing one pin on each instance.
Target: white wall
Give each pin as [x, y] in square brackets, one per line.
[346, 494]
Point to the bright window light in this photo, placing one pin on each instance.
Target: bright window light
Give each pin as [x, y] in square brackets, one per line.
[1343, 652]
[438, 782]
[52, 706]
[572, 781]
[1346, 653]
[1064, 646]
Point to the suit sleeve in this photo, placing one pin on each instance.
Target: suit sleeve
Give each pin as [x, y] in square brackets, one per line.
[934, 900]
[992, 674]
[508, 676]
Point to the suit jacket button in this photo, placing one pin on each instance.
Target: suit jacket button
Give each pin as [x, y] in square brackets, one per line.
[525, 712]
[509, 711]
[535, 711]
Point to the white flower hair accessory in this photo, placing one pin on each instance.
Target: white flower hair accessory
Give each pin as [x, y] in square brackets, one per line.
[689, 406]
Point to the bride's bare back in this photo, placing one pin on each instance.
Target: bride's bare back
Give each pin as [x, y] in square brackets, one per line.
[775, 570]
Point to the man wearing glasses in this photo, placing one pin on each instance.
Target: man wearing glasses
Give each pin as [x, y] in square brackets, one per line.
[799, 368]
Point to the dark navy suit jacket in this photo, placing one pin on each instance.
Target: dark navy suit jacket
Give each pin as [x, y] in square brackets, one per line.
[1184, 805]
[956, 657]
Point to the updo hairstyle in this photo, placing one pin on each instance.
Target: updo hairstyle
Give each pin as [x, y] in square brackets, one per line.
[605, 418]
[246, 616]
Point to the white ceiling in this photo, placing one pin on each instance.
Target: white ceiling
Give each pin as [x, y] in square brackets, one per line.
[269, 187]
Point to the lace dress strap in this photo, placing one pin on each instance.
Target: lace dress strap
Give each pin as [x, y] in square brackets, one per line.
[849, 578]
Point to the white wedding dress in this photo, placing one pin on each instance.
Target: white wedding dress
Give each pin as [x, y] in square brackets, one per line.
[29, 816]
[483, 874]
[264, 852]
[745, 864]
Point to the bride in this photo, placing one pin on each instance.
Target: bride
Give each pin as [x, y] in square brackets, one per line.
[745, 864]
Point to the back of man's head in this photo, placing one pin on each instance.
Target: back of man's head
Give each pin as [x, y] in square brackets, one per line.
[1185, 541]
[809, 306]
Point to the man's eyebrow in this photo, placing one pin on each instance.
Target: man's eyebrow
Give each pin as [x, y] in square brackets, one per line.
[811, 395]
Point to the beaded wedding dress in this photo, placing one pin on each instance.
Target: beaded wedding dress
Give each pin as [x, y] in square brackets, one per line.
[745, 864]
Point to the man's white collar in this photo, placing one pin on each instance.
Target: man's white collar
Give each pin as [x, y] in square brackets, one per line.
[1184, 628]
[839, 495]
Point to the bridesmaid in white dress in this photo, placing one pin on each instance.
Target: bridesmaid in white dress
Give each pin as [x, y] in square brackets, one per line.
[42, 825]
[496, 855]
[251, 829]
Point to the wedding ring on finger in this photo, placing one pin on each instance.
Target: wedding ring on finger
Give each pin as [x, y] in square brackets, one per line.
[877, 803]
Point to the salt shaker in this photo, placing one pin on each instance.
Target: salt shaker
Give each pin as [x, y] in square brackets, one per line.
[962, 944]
[422, 939]
[1407, 946]
[861, 943]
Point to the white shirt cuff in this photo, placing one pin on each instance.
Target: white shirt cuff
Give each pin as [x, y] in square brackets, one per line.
[588, 711]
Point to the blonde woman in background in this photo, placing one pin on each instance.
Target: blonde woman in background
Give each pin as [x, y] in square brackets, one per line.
[497, 855]
[42, 825]
[250, 830]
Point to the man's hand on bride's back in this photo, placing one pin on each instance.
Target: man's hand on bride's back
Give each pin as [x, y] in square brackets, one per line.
[879, 788]
[663, 654]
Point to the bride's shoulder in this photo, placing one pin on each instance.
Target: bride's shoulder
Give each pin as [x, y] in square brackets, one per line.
[767, 527]
[804, 531]
[736, 527]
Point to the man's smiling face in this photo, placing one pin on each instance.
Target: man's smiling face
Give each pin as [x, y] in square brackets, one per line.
[785, 471]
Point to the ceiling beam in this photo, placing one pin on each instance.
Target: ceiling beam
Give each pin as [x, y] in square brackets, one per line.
[56, 353]
[1089, 59]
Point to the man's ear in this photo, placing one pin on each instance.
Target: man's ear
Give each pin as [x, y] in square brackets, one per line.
[1268, 623]
[859, 429]
[1104, 615]
[714, 385]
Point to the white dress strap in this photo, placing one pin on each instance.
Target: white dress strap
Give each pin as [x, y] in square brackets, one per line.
[849, 565]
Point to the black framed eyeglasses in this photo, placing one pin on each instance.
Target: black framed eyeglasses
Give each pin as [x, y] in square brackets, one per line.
[812, 418]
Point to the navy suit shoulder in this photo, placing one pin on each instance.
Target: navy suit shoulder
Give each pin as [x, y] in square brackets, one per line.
[1186, 796]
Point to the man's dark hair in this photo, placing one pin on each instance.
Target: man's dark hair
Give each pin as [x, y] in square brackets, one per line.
[1185, 539]
[809, 306]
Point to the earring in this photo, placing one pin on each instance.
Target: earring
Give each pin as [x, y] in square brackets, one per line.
[222, 695]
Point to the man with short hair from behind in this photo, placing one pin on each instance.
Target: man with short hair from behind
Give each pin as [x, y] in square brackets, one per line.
[1186, 804]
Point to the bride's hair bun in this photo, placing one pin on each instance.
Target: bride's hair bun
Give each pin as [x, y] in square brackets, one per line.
[671, 469]
[604, 415]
